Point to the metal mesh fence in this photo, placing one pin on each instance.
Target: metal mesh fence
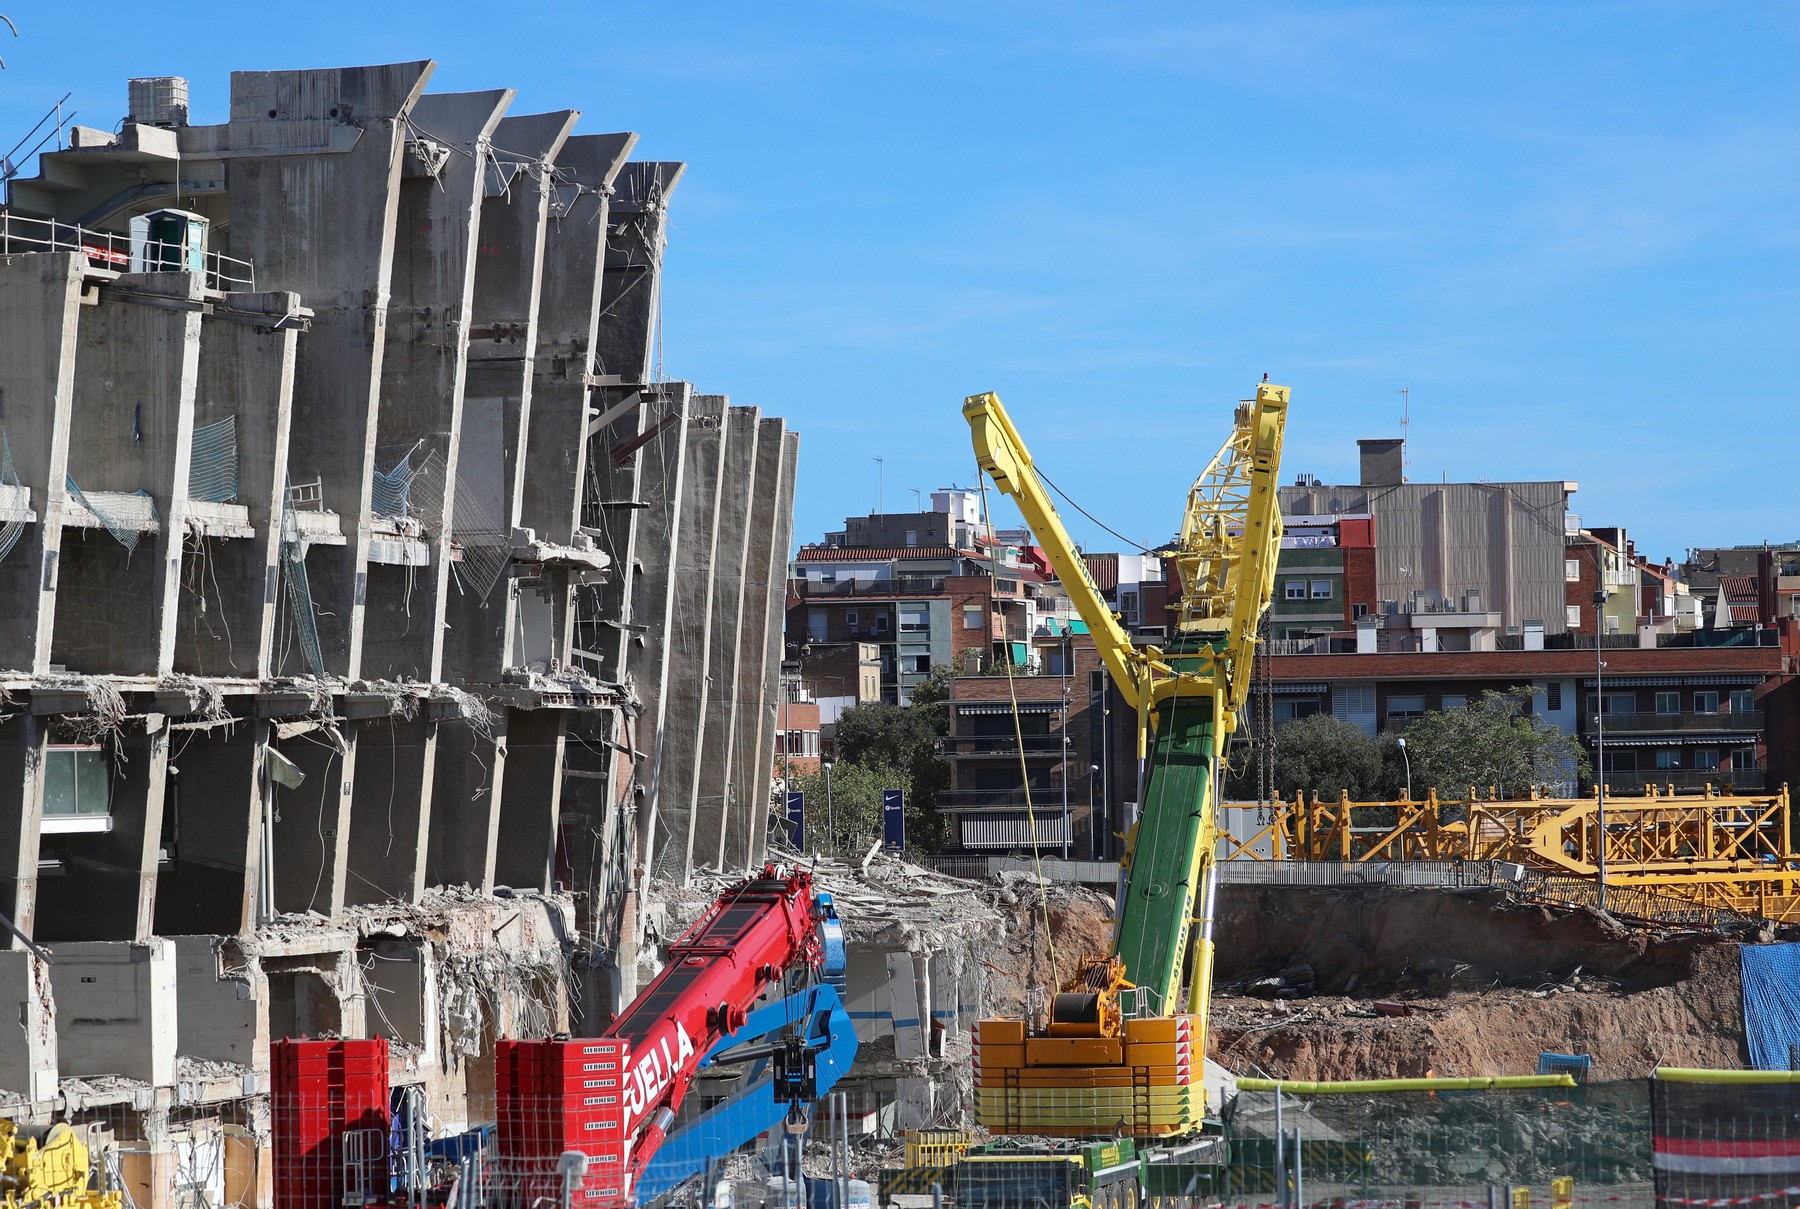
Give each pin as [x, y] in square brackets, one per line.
[127, 515]
[299, 589]
[19, 501]
[1446, 1148]
[213, 472]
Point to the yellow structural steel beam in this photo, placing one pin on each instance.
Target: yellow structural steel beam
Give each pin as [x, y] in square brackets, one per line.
[1731, 852]
[1356, 1086]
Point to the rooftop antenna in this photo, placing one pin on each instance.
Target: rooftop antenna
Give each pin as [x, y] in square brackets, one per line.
[1405, 423]
[880, 484]
[918, 499]
[15, 33]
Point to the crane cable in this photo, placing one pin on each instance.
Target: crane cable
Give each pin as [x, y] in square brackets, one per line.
[1012, 692]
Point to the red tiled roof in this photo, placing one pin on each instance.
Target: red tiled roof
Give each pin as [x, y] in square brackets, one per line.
[869, 554]
[1738, 587]
[1745, 612]
[1104, 570]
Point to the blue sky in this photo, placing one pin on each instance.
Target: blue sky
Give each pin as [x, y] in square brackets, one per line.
[1570, 229]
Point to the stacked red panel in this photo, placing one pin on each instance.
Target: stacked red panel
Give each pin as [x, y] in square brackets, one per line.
[323, 1090]
[557, 1097]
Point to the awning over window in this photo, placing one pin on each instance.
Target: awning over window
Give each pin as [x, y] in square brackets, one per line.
[1005, 707]
[1020, 652]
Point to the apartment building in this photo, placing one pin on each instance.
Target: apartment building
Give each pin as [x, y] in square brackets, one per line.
[920, 605]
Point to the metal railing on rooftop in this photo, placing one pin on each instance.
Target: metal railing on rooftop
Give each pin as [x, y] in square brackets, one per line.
[19, 233]
[898, 585]
[1657, 723]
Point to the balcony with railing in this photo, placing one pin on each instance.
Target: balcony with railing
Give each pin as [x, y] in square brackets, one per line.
[1720, 780]
[122, 254]
[1743, 721]
[1046, 796]
[898, 585]
[1000, 745]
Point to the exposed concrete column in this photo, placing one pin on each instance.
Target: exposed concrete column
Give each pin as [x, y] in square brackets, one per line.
[423, 365]
[497, 394]
[670, 851]
[107, 890]
[783, 544]
[28, 1057]
[624, 344]
[231, 584]
[216, 801]
[117, 607]
[765, 566]
[715, 802]
[466, 794]
[332, 139]
[39, 304]
[23, 739]
[390, 816]
[531, 808]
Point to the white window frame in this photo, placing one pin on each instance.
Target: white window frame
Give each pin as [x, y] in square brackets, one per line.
[1316, 584]
[1293, 589]
[1572, 570]
[1572, 616]
[1706, 701]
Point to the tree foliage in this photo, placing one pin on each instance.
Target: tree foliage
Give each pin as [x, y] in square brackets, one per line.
[1490, 743]
[900, 742]
[845, 820]
[1319, 754]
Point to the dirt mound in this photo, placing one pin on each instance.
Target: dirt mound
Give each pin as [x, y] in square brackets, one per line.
[1080, 925]
[1489, 984]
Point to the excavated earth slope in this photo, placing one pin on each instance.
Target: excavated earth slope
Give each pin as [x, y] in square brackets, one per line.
[1487, 983]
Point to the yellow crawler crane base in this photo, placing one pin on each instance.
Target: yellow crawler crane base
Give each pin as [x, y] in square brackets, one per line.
[1101, 1065]
[1144, 1083]
[53, 1172]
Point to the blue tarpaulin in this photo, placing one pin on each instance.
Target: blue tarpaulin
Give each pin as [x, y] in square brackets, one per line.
[1771, 975]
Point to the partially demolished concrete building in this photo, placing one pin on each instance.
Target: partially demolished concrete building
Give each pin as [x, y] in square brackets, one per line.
[375, 618]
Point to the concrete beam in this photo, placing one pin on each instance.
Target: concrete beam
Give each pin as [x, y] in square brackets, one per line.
[39, 304]
[715, 802]
[319, 218]
[423, 366]
[670, 851]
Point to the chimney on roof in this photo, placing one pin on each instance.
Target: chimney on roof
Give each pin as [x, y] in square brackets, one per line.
[1383, 461]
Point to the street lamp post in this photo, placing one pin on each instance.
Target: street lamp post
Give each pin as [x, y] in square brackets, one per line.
[1599, 736]
[830, 816]
[1065, 795]
[1407, 760]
